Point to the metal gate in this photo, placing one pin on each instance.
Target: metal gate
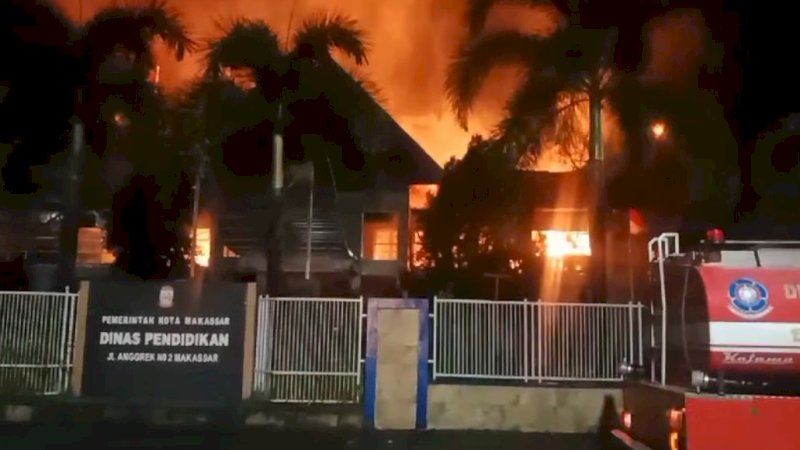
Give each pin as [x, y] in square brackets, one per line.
[36, 334]
[308, 350]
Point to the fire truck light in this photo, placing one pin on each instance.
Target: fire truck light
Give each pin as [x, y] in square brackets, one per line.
[674, 441]
[715, 235]
[675, 419]
[626, 419]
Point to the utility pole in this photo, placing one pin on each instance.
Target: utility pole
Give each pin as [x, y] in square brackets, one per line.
[599, 216]
[275, 232]
[309, 231]
[70, 221]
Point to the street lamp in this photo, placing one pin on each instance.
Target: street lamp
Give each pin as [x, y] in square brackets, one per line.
[658, 129]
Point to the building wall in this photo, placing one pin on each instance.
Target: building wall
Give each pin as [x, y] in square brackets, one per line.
[515, 408]
[353, 205]
[398, 394]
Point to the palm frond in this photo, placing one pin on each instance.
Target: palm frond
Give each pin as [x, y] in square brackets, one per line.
[159, 19]
[322, 32]
[478, 10]
[468, 71]
[243, 43]
[134, 28]
[532, 114]
[40, 22]
[569, 134]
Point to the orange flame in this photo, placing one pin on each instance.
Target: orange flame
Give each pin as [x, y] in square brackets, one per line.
[411, 45]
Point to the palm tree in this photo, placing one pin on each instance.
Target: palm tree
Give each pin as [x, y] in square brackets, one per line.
[126, 115]
[579, 64]
[107, 60]
[563, 72]
[119, 39]
[255, 85]
[37, 37]
[282, 75]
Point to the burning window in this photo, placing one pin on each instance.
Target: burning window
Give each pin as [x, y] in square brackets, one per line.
[202, 252]
[380, 231]
[92, 247]
[416, 258]
[228, 253]
[560, 243]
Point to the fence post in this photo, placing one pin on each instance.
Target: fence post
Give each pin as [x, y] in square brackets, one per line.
[526, 345]
[629, 353]
[65, 343]
[362, 317]
[248, 365]
[79, 343]
[538, 309]
[268, 342]
[435, 336]
[639, 309]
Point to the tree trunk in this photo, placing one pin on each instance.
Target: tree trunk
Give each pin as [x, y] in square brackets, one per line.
[275, 237]
[599, 215]
[70, 222]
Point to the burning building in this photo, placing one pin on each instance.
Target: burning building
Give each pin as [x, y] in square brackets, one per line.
[345, 229]
[559, 219]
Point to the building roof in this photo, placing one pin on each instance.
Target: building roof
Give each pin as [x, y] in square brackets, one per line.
[399, 155]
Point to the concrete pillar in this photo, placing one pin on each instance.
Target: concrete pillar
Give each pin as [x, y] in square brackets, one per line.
[396, 369]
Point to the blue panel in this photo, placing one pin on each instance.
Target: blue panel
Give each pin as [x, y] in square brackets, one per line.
[371, 364]
[422, 377]
[371, 358]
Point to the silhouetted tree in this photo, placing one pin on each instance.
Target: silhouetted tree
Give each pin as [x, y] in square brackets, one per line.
[252, 83]
[477, 223]
[138, 169]
[36, 80]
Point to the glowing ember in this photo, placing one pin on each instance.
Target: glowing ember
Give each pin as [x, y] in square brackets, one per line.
[154, 76]
[243, 77]
[658, 129]
[558, 243]
[121, 119]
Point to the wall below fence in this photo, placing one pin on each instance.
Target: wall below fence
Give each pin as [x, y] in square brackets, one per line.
[528, 409]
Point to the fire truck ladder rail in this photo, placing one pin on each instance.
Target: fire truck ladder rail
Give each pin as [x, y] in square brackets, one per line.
[659, 249]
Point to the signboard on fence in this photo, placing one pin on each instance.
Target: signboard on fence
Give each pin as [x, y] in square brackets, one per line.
[156, 342]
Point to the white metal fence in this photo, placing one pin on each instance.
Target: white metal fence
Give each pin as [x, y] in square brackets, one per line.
[308, 350]
[36, 333]
[521, 340]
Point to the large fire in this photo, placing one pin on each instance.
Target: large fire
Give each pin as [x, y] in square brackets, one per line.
[559, 244]
[411, 44]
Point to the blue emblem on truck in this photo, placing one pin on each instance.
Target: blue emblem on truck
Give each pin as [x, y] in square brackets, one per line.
[749, 299]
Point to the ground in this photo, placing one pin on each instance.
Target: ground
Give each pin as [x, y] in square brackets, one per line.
[52, 436]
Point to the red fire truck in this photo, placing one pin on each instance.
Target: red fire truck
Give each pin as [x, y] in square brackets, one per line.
[723, 367]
